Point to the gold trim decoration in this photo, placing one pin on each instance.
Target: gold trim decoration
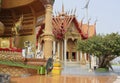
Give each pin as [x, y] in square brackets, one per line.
[5, 43]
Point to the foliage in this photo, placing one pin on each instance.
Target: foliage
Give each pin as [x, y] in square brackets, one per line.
[105, 47]
[102, 70]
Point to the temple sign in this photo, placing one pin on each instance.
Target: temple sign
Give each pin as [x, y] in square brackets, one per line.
[17, 26]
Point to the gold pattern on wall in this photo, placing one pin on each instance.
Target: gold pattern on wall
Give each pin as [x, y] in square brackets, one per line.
[5, 43]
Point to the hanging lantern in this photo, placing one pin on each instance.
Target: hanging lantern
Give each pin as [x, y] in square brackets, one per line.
[1, 28]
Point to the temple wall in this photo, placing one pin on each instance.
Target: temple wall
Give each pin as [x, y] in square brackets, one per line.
[18, 71]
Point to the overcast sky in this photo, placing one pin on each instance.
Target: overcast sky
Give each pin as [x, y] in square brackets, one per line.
[107, 13]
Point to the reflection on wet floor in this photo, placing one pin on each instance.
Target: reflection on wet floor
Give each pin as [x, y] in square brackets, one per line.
[82, 70]
[70, 74]
[63, 79]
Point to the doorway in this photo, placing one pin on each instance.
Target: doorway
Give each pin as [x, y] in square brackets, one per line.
[73, 56]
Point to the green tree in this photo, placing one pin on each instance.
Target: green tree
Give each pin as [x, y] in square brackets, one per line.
[105, 47]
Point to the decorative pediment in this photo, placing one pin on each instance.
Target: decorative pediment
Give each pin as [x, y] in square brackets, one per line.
[72, 31]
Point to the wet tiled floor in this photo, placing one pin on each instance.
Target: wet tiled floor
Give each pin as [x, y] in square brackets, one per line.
[70, 74]
[63, 79]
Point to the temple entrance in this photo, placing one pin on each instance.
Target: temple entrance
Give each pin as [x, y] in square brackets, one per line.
[73, 56]
[67, 56]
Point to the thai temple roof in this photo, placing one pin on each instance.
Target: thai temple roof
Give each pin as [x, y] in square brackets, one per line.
[92, 30]
[62, 20]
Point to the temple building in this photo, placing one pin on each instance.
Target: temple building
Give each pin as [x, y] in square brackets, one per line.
[31, 33]
[66, 30]
[50, 35]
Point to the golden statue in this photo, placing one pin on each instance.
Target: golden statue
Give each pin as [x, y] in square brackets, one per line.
[15, 30]
[17, 26]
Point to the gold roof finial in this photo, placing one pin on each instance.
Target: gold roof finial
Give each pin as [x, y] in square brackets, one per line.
[62, 8]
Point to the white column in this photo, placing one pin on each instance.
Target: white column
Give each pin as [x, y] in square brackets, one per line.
[93, 61]
[43, 50]
[65, 47]
[54, 47]
[80, 55]
[85, 55]
[58, 49]
[77, 57]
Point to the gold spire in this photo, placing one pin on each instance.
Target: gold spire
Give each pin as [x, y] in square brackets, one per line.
[62, 8]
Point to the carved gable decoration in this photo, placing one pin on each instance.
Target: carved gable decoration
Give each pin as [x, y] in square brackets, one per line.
[60, 25]
[72, 28]
[72, 31]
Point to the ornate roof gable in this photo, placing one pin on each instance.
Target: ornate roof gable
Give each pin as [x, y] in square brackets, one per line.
[61, 22]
